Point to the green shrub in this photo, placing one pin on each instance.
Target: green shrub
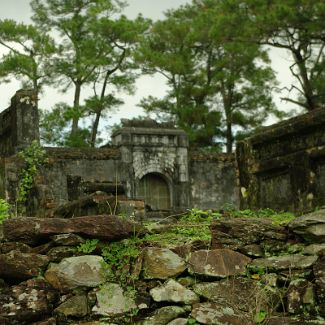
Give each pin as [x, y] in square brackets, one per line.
[4, 210]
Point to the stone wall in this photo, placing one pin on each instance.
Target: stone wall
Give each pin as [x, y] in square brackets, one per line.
[213, 180]
[283, 167]
[17, 123]
[256, 272]
[66, 176]
[201, 181]
[148, 161]
[70, 172]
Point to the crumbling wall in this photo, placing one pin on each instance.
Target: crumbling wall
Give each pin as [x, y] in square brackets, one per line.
[17, 123]
[141, 152]
[70, 173]
[213, 180]
[283, 167]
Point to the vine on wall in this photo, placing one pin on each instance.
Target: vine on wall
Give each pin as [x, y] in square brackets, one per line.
[33, 156]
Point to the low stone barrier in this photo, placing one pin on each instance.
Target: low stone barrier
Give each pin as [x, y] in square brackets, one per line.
[254, 272]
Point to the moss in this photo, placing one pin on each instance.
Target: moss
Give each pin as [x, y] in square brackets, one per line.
[278, 218]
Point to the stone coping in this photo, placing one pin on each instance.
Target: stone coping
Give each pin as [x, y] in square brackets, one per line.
[291, 126]
[148, 131]
[83, 153]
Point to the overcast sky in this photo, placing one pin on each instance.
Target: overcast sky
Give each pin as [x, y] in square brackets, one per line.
[19, 10]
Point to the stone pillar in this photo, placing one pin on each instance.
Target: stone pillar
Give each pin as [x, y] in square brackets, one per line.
[19, 124]
[25, 119]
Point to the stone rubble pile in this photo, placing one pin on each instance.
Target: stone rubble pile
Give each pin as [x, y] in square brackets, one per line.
[254, 273]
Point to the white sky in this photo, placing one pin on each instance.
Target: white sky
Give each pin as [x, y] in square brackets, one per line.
[19, 10]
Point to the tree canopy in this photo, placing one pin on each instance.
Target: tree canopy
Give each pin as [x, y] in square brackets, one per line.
[216, 86]
[297, 26]
[94, 48]
[212, 54]
[28, 53]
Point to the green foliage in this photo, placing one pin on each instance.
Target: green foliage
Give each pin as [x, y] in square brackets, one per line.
[294, 26]
[33, 156]
[119, 257]
[192, 321]
[260, 316]
[255, 272]
[53, 125]
[217, 87]
[192, 226]
[88, 246]
[95, 48]
[197, 215]
[282, 218]
[29, 52]
[278, 218]
[4, 210]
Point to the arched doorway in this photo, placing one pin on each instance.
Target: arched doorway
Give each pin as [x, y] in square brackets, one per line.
[154, 190]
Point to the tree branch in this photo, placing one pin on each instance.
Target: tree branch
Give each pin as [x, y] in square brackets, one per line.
[294, 102]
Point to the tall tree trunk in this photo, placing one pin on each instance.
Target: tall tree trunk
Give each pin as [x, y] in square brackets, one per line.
[76, 103]
[95, 129]
[227, 95]
[229, 137]
[36, 89]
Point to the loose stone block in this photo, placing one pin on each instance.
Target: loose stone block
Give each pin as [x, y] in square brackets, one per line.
[73, 272]
[211, 313]
[310, 226]
[29, 301]
[218, 263]
[172, 291]
[164, 315]
[22, 266]
[112, 301]
[76, 306]
[161, 263]
[104, 227]
[278, 263]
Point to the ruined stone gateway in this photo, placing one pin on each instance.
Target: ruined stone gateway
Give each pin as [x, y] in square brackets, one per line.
[148, 162]
[282, 167]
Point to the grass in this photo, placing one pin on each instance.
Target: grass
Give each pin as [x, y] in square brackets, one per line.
[196, 225]
[278, 218]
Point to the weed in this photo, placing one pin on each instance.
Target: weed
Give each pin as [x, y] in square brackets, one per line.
[195, 225]
[119, 256]
[278, 218]
[260, 316]
[4, 210]
[255, 272]
[282, 218]
[196, 215]
[88, 246]
[192, 321]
